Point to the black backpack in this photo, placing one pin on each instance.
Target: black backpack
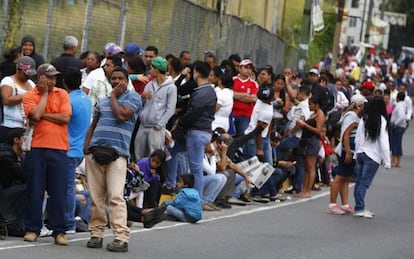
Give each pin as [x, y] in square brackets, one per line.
[327, 102]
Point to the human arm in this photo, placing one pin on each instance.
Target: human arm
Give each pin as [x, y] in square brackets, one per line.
[209, 165]
[290, 91]
[385, 145]
[320, 121]
[89, 134]
[245, 97]
[222, 164]
[58, 118]
[286, 106]
[170, 107]
[346, 142]
[7, 96]
[240, 172]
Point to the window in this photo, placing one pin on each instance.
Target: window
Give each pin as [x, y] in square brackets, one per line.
[355, 3]
[352, 22]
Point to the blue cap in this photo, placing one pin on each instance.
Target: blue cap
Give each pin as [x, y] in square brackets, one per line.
[132, 48]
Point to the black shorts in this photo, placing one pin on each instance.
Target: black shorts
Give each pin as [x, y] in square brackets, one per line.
[343, 169]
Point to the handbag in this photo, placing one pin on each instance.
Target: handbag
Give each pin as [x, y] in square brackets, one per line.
[27, 140]
[104, 155]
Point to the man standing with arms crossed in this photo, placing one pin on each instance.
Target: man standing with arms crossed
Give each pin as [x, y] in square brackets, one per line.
[107, 147]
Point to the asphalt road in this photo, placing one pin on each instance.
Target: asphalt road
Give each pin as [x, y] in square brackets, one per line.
[291, 229]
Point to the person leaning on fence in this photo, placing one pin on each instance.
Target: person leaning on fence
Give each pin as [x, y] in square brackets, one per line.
[107, 147]
[48, 108]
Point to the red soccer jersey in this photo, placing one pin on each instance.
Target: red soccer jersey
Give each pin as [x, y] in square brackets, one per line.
[244, 86]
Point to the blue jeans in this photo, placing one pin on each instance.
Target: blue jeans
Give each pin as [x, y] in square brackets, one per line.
[73, 162]
[396, 141]
[196, 142]
[366, 168]
[46, 170]
[173, 162]
[292, 142]
[238, 180]
[212, 187]
[241, 123]
[176, 213]
[84, 212]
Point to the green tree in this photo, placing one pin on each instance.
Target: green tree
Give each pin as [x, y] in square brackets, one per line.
[13, 24]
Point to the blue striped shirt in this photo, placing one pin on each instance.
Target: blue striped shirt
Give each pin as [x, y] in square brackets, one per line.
[109, 131]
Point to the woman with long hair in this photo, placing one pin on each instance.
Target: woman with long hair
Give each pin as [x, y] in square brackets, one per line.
[281, 104]
[371, 148]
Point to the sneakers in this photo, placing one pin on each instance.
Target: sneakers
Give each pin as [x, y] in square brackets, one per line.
[364, 214]
[235, 201]
[70, 232]
[44, 232]
[61, 239]
[30, 237]
[210, 207]
[348, 209]
[335, 210]
[117, 246]
[95, 242]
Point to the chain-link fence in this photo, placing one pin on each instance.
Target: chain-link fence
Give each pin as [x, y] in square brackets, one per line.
[171, 25]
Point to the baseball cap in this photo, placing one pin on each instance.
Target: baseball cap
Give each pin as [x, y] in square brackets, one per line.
[159, 63]
[27, 65]
[265, 94]
[112, 49]
[47, 69]
[369, 85]
[246, 62]
[314, 71]
[132, 48]
[358, 99]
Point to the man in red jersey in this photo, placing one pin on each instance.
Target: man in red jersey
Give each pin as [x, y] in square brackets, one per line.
[245, 95]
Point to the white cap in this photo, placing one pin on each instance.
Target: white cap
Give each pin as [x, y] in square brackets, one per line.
[358, 99]
[314, 71]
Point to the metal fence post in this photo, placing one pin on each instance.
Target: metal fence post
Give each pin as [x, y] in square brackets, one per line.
[122, 23]
[85, 32]
[47, 30]
[148, 22]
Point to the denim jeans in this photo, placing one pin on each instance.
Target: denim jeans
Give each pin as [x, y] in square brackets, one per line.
[173, 163]
[241, 123]
[237, 191]
[196, 142]
[396, 141]
[46, 170]
[176, 213]
[73, 162]
[212, 187]
[84, 212]
[292, 142]
[366, 168]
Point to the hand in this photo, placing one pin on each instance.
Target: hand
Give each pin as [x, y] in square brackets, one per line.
[147, 95]
[279, 101]
[348, 158]
[82, 199]
[134, 167]
[120, 88]
[300, 123]
[260, 154]
[142, 78]
[247, 180]
[223, 147]
[42, 84]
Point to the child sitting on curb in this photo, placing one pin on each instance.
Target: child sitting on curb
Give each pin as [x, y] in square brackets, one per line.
[186, 207]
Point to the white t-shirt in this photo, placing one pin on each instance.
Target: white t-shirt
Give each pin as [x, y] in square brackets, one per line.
[261, 112]
[225, 100]
[13, 116]
[370, 70]
[95, 75]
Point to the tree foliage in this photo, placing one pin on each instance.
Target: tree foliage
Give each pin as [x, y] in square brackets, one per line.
[13, 24]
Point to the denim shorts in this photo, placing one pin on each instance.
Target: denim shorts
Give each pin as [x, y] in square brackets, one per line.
[313, 145]
[343, 169]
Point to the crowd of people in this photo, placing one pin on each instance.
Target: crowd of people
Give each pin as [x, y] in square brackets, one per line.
[95, 141]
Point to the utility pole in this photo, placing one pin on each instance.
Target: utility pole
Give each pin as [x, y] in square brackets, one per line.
[368, 27]
[337, 36]
[304, 39]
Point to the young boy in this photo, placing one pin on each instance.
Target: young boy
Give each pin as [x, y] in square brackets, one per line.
[186, 207]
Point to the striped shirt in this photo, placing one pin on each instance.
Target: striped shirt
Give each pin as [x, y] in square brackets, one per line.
[109, 131]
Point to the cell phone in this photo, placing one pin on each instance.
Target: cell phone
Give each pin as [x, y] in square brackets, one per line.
[294, 162]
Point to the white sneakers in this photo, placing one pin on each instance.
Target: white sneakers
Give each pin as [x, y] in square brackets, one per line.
[364, 214]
